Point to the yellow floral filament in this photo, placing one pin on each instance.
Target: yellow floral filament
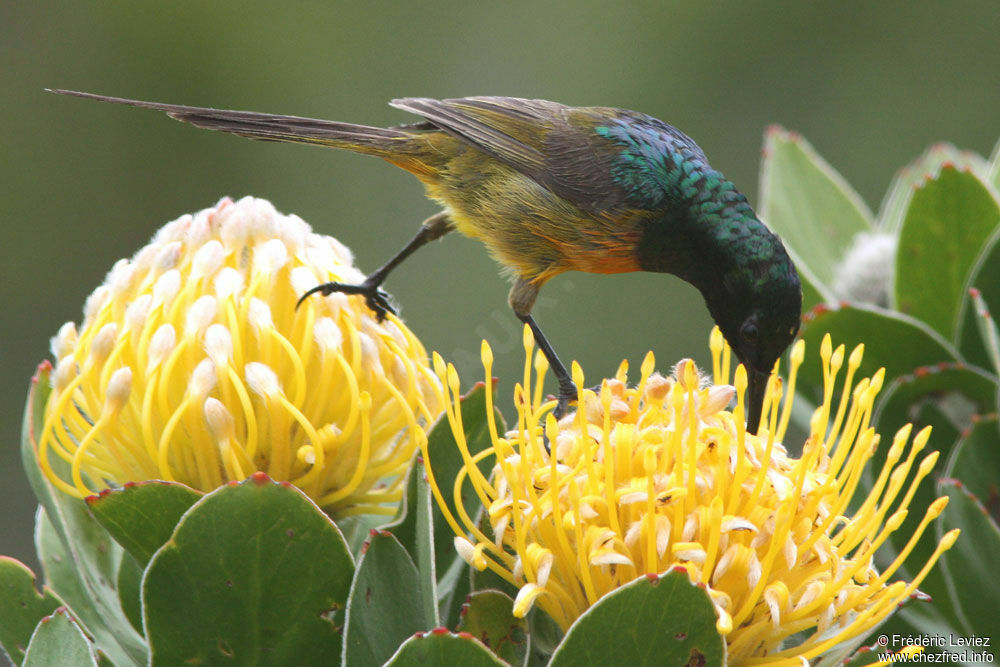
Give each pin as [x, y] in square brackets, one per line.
[640, 479]
[229, 378]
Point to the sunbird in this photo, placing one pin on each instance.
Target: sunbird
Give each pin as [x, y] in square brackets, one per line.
[550, 188]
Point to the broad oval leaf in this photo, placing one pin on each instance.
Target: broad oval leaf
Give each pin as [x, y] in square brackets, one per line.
[897, 199]
[977, 337]
[385, 605]
[58, 640]
[893, 341]
[488, 616]
[975, 462]
[441, 647]
[948, 222]
[653, 620]
[969, 568]
[814, 292]
[130, 590]
[254, 573]
[22, 606]
[901, 401]
[142, 515]
[808, 204]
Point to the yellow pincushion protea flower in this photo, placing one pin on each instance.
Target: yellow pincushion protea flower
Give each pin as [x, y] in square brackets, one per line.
[645, 478]
[193, 365]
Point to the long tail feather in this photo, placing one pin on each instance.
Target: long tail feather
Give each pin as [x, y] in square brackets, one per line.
[383, 142]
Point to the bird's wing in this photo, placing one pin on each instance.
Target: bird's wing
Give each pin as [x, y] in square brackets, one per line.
[540, 139]
[510, 129]
[577, 152]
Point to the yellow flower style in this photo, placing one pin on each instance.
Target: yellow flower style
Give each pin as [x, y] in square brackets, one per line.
[641, 479]
[194, 365]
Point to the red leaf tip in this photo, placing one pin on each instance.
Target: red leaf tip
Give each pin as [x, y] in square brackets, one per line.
[44, 367]
[260, 478]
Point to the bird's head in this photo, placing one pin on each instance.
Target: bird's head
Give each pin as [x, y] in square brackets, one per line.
[759, 317]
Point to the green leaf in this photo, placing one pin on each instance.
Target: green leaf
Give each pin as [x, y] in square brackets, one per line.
[446, 461]
[969, 567]
[142, 515]
[977, 335]
[946, 397]
[58, 640]
[130, 590]
[664, 620]
[814, 292]
[441, 647]
[86, 560]
[57, 566]
[426, 565]
[921, 615]
[404, 524]
[545, 635]
[975, 460]
[808, 204]
[34, 420]
[456, 585]
[61, 576]
[897, 199]
[254, 573]
[22, 606]
[969, 389]
[948, 221]
[414, 528]
[385, 605]
[994, 167]
[893, 341]
[488, 616]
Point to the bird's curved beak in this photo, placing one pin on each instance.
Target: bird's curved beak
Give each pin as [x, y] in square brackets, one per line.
[755, 403]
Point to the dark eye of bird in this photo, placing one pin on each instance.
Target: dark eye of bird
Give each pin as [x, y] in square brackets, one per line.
[749, 332]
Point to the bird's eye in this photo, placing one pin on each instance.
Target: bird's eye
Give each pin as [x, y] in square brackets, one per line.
[749, 332]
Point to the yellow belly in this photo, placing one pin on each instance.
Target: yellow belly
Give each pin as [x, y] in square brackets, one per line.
[533, 232]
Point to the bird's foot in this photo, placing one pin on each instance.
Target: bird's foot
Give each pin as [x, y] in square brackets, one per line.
[376, 298]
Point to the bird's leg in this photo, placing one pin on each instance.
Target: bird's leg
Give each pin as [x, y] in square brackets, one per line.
[377, 299]
[522, 298]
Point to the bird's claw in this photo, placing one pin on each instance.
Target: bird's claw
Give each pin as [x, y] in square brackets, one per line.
[376, 298]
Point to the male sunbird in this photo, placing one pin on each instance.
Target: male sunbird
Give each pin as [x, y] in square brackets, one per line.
[550, 188]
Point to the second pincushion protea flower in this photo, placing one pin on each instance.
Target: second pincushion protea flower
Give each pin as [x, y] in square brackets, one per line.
[645, 478]
[194, 365]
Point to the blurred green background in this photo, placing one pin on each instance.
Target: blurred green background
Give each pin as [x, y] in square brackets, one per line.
[869, 84]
